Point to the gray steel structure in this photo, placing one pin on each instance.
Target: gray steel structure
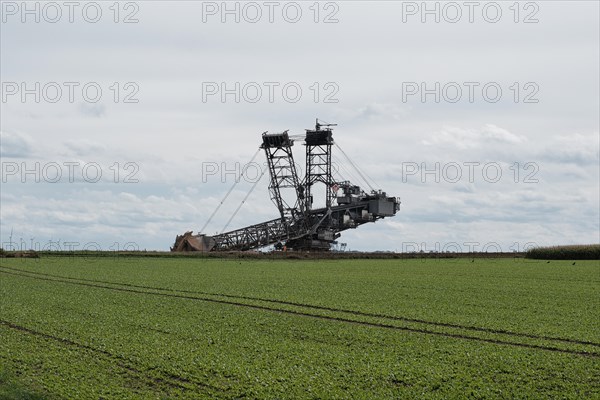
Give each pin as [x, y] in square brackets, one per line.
[300, 226]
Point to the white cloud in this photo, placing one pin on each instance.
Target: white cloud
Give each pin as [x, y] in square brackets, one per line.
[577, 148]
[84, 147]
[488, 135]
[16, 145]
[171, 131]
[92, 109]
[379, 111]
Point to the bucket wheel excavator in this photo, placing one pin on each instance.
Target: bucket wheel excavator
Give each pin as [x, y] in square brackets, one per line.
[302, 223]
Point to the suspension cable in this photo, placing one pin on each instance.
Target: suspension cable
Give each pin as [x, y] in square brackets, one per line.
[372, 180]
[237, 180]
[338, 177]
[352, 177]
[244, 200]
[355, 167]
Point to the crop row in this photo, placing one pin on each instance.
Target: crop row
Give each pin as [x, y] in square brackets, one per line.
[199, 328]
[456, 331]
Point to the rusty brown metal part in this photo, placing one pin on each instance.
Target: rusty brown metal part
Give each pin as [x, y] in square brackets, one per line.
[190, 242]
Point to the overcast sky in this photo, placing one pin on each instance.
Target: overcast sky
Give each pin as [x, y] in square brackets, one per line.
[485, 122]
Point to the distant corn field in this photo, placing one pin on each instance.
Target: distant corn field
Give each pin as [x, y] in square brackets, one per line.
[573, 252]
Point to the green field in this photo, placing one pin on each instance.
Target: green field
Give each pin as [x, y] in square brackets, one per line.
[349, 329]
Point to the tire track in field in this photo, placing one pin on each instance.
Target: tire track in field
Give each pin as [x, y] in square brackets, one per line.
[332, 309]
[172, 380]
[323, 317]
